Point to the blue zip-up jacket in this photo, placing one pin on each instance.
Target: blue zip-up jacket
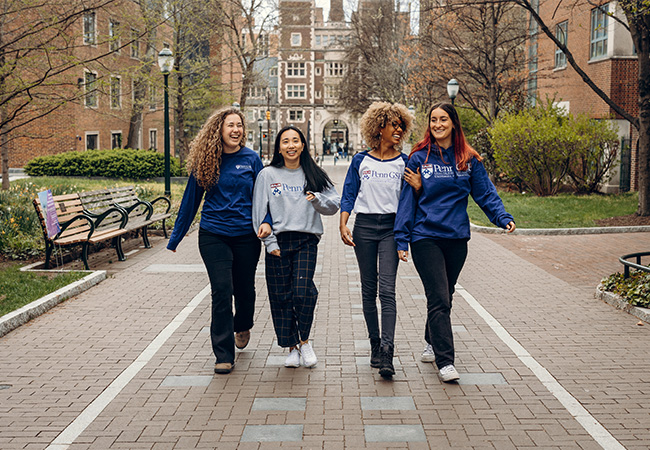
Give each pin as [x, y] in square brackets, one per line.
[228, 206]
[440, 211]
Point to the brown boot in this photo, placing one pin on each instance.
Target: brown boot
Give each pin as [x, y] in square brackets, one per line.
[242, 338]
[223, 368]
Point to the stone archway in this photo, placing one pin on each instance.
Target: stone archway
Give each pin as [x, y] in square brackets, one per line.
[336, 134]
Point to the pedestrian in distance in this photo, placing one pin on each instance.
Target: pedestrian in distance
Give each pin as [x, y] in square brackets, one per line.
[222, 174]
[371, 190]
[295, 191]
[434, 222]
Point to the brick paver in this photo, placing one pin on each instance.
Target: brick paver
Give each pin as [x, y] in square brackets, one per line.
[539, 289]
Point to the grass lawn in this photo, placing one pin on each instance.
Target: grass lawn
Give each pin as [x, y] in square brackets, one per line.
[560, 211]
[20, 288]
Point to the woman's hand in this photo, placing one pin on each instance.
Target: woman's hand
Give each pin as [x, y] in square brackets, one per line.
[275, 252]
[413, 178]
[264, 231]
[511, 227]
[310, 196]
[403, 255]
[346, 235]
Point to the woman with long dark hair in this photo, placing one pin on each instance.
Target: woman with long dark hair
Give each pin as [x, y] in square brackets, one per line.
[434, 221]
[222, 173]
[295, 191]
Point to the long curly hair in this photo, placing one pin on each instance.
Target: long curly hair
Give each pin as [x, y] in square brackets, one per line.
[378, 115]
[204, 160]
[462, 150]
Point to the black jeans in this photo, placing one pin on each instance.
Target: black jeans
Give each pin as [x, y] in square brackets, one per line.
[376, 253]
[231, 262]
[439, 262]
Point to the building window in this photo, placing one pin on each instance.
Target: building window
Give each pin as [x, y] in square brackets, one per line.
[325, 42]
[116, 92]
[113, 36]
[296, 115]
[561, 35]
[250, 115]
[318, 39]
[334, 69]
[296, 91]
[153, 139]
[153, 104]
[273, 71]
[331, 91]
[116, 139]
[318, 71]
[598, 47]
[90, 28]
[90, 99]
[135, 44]
[263, 43]
[318, 93]
[92, 141]
[296, 69]
[296, 39]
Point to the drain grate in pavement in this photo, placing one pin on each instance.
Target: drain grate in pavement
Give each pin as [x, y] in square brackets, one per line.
[272, 433]
[395, 433]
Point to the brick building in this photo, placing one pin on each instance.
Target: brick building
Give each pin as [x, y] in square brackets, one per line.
[113, 42]
[604, 49]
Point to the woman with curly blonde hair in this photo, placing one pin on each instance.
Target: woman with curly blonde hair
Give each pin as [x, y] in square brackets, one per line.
[372, 189]
[222, 173]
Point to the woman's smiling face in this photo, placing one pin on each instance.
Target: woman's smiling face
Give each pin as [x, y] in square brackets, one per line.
[441, 127]
[290, 148]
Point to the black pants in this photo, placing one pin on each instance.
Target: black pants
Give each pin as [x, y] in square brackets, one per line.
[439, 263]
[290, 281]
[231, 262]
[376, 253]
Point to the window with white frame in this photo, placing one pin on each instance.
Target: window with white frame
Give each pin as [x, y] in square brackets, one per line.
[296, 115]
[250, 115]
[92, 141]
[318, 39]
[135, 44]
[90, 28]
[331, 91]
[263, 45]
[153, 103]
[561, 34]
[317, 93]
[296, 39]
[318, 71]
[325, 40]
[295, 69]
[90, 86]
[113, 36]
[598, 40]
[116, 139]
[273, 71]
[116, 92]
[153, 138]
[334, 69]
[296, 91]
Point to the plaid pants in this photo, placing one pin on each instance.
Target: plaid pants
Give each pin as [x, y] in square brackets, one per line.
[290, 282]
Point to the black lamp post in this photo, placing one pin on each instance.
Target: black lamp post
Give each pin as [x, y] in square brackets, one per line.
[452, 89]
[166, 63]
[259, 123]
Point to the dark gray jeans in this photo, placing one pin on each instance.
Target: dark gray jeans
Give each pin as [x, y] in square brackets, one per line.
[377, 257]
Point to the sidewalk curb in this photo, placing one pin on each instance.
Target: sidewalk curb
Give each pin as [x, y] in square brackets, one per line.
[561, 231]
[13, 320]
[618, 302]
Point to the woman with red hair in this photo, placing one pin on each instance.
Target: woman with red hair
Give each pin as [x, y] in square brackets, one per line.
[434, 221]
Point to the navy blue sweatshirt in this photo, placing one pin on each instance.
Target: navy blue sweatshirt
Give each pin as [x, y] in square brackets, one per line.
[228, 205]
[440, 211]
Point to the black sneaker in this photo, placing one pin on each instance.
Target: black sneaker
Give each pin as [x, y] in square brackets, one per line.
[386, 369]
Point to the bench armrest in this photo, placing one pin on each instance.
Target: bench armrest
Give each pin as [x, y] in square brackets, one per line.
[67, 223]
[98, 218]
[169, 203]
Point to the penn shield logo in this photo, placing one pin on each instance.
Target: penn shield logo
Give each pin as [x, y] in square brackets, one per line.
[276, 189]
[427, 170]
[365, 175]
[243, 167]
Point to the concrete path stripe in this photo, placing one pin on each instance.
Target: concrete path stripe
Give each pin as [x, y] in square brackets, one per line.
[88, 415]
[595, 429]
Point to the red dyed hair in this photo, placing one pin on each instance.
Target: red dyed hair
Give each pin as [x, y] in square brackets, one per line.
[462, 150]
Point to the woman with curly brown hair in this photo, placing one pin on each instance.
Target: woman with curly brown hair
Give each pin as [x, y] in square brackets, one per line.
[222, 173]
[372, 188]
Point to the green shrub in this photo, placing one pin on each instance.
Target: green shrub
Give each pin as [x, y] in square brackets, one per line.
[635, 289]
[117, 163]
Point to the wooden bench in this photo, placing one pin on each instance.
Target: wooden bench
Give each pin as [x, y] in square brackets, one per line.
[140, 213]
[78, 228]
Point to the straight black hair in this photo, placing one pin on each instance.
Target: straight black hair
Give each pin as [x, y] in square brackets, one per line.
[316, 178]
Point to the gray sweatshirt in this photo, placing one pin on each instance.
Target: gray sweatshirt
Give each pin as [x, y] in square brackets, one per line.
[280, 191]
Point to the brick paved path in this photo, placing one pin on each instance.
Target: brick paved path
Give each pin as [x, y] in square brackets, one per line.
[128, 364]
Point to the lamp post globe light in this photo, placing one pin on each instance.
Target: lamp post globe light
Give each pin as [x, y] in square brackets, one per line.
[452, 89]
[166, 63]
[259, 123]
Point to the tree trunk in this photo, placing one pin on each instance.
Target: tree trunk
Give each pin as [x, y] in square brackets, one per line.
[4, 149]
[182, 146]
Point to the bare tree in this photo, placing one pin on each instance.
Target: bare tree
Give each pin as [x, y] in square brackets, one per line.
[637, 15]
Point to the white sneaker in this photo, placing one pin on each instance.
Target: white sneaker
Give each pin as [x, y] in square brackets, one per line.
[428, 355]
[448, 373]
[293, 360]
[308, 356]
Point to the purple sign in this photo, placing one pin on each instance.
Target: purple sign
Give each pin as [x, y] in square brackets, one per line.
[51, 219]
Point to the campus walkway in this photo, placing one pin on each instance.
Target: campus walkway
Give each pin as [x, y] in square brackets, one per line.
[128, 363]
